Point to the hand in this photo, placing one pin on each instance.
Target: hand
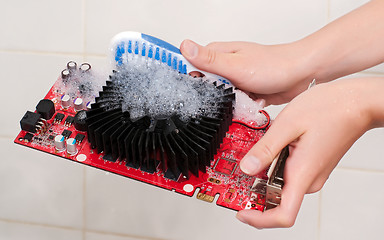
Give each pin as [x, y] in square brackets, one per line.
[319, 125]
[274, 73]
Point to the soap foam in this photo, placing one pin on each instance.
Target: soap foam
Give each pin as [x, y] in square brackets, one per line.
[150, 88]
[85, 85]
[247, 110]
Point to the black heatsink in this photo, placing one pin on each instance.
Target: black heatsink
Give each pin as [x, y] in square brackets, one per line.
[161, 143]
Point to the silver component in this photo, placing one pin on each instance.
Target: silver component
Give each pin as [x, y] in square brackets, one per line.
[65, 101]
[272, 188]
[79, 104]
[71, 146]
[72, 66]
[89, 105]
[85, 67]
[65, 74]
[59, 143]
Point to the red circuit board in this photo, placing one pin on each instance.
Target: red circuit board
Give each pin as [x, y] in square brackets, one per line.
[223, 180]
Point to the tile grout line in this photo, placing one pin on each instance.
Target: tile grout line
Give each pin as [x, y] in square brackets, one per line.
[360, 170]
[47, 53]
[84, 27]
[75, 229]
[125, 235]
[39, 224]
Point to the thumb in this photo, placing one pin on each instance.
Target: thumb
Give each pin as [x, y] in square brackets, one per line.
[208, 59]
[268, 147]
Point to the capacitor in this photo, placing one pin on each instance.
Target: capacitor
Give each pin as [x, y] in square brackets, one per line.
[59, 143]
[72, 66]
[89, 105]
[71, 146]
[65, 101]
[85, 67]
[65, 75]
[79, 104]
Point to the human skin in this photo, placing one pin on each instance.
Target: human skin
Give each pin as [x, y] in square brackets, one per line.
[320, 124]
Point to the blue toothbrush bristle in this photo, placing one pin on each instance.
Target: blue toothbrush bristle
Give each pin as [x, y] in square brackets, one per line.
[136, 48]
[146, 49]
[174, 63]
[157, 55]
[169, 59]
[130, 46]
[150, 52]
[143, 51]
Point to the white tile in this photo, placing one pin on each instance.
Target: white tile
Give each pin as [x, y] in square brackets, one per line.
[367, 152]
[101, 64]
[20, 231]
[38, 187]
[42, 25]
[203, 21]
[25, 79]
[352, 206]
[120, 205]
[103, 236]
[338, 8]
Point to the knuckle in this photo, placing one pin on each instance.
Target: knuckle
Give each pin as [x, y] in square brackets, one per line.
[266, 152]
[211, 56]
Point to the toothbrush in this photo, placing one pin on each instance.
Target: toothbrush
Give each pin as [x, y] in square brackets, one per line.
[140, 44]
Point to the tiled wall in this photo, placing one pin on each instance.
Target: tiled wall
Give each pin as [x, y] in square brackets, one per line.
[44, 197]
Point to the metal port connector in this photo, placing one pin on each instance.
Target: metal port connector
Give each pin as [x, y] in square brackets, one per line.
[272, 188]
[276, 179]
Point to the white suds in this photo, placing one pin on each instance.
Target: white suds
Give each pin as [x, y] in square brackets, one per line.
[150, 88]
[246, 109]
[85, 85]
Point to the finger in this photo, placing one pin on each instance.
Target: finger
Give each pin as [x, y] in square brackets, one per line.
[226, 47]
[283, 215]
[210, 59]
[282, 132]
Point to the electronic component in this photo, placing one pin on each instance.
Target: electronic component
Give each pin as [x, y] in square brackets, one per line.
[46, 108]
[71, 146]
[79, 121]
[68, 121]
[272, 187]
[28, 137]
[79, 104]
[65, 101]
[276, 179]
[65, 75]
[79, 137]
[30, 121]
[225, 166]
[59, 143]
[199, 153]
[72, 66]
[66, 133]
[59, 117]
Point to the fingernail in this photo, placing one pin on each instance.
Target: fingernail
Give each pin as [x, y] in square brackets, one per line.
[241, 218]
[250, 165]
[261, 102]
[190, 49]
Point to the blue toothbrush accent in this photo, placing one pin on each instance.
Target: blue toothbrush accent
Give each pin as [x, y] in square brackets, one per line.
[148, 46]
